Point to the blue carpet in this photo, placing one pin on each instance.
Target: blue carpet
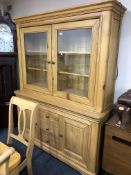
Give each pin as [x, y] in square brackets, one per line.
[43, 163]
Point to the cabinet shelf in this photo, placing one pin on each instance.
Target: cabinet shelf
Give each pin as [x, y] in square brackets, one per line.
[73, 74]
[40, 83]
[73, 53]
[37, 69]
[76, 91]
[35, 53]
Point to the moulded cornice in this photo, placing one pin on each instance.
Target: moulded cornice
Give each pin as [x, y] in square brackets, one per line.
[110, 5]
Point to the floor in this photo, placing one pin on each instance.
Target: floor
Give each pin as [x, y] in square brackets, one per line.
[44, 163]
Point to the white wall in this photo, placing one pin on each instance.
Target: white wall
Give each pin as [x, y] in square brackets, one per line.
[123, 82]
[2, 5]
[28, 7]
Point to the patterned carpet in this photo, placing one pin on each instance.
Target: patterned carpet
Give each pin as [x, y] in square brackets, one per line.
[44, 163]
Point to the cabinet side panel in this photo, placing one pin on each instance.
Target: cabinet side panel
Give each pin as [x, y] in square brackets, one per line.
[102, 63]
[19, 57]
[112, 61]
[94, 148]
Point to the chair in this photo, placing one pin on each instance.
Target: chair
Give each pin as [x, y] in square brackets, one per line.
[26, 111]
[4, 161]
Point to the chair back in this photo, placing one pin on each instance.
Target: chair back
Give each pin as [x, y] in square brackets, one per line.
[27, 111]
[22, 107]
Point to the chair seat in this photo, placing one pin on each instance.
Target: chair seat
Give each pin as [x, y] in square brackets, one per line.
[14, 159]
[20, 148]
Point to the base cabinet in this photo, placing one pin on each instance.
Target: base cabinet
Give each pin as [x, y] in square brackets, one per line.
[68, 137]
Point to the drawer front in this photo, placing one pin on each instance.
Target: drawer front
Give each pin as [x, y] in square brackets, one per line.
[48, 126]
[49, 139]
[117, 151]
[49, 121]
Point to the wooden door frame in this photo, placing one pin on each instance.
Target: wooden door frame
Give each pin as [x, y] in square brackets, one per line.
[46, 28]
[94, 25]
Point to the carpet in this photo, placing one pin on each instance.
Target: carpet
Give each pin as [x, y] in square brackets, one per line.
[45, 164]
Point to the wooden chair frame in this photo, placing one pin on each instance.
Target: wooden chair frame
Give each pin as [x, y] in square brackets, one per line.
[23, 105]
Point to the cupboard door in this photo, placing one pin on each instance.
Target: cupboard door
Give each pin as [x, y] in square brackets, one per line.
[76, 140]
[74, 55]
[36, 54]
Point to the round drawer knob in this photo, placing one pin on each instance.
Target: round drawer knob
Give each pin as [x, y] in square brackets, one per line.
[60, 135]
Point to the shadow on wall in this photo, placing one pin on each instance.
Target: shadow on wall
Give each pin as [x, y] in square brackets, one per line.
[123, 82]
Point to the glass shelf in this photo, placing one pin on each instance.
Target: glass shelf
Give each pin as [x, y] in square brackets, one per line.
[40, 83]
[74, 84]
[73, 53]
[76, 92]
[75, 74]
[37, 69]
[35, 53]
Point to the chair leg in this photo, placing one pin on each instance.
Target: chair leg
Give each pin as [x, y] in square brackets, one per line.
[29, 167]
[9, 140]
[4, 168]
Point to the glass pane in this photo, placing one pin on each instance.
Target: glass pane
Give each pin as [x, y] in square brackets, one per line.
[36, 58]
[74, 48]
[6, 39]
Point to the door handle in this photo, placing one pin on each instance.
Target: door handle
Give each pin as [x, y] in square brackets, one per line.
[49, 62]
[122, 141]
[60, 135]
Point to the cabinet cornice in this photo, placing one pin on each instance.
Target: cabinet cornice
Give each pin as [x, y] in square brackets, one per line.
[111, 5]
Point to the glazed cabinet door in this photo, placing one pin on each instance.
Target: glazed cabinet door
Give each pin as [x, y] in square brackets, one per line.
[76, 140]
[75, 47]
[36, 58]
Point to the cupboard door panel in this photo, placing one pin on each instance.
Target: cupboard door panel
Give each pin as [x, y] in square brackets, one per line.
[74, 54]
[36, 50]
[76, 140]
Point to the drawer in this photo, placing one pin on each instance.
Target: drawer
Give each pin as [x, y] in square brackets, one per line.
[50, 129]
[49, 138]
[117, 151]
[49, 122]
[44, 113]
[121, 133]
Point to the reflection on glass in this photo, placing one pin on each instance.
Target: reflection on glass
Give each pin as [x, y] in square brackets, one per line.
[36, 58]
[6, 39]
[74, 47]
